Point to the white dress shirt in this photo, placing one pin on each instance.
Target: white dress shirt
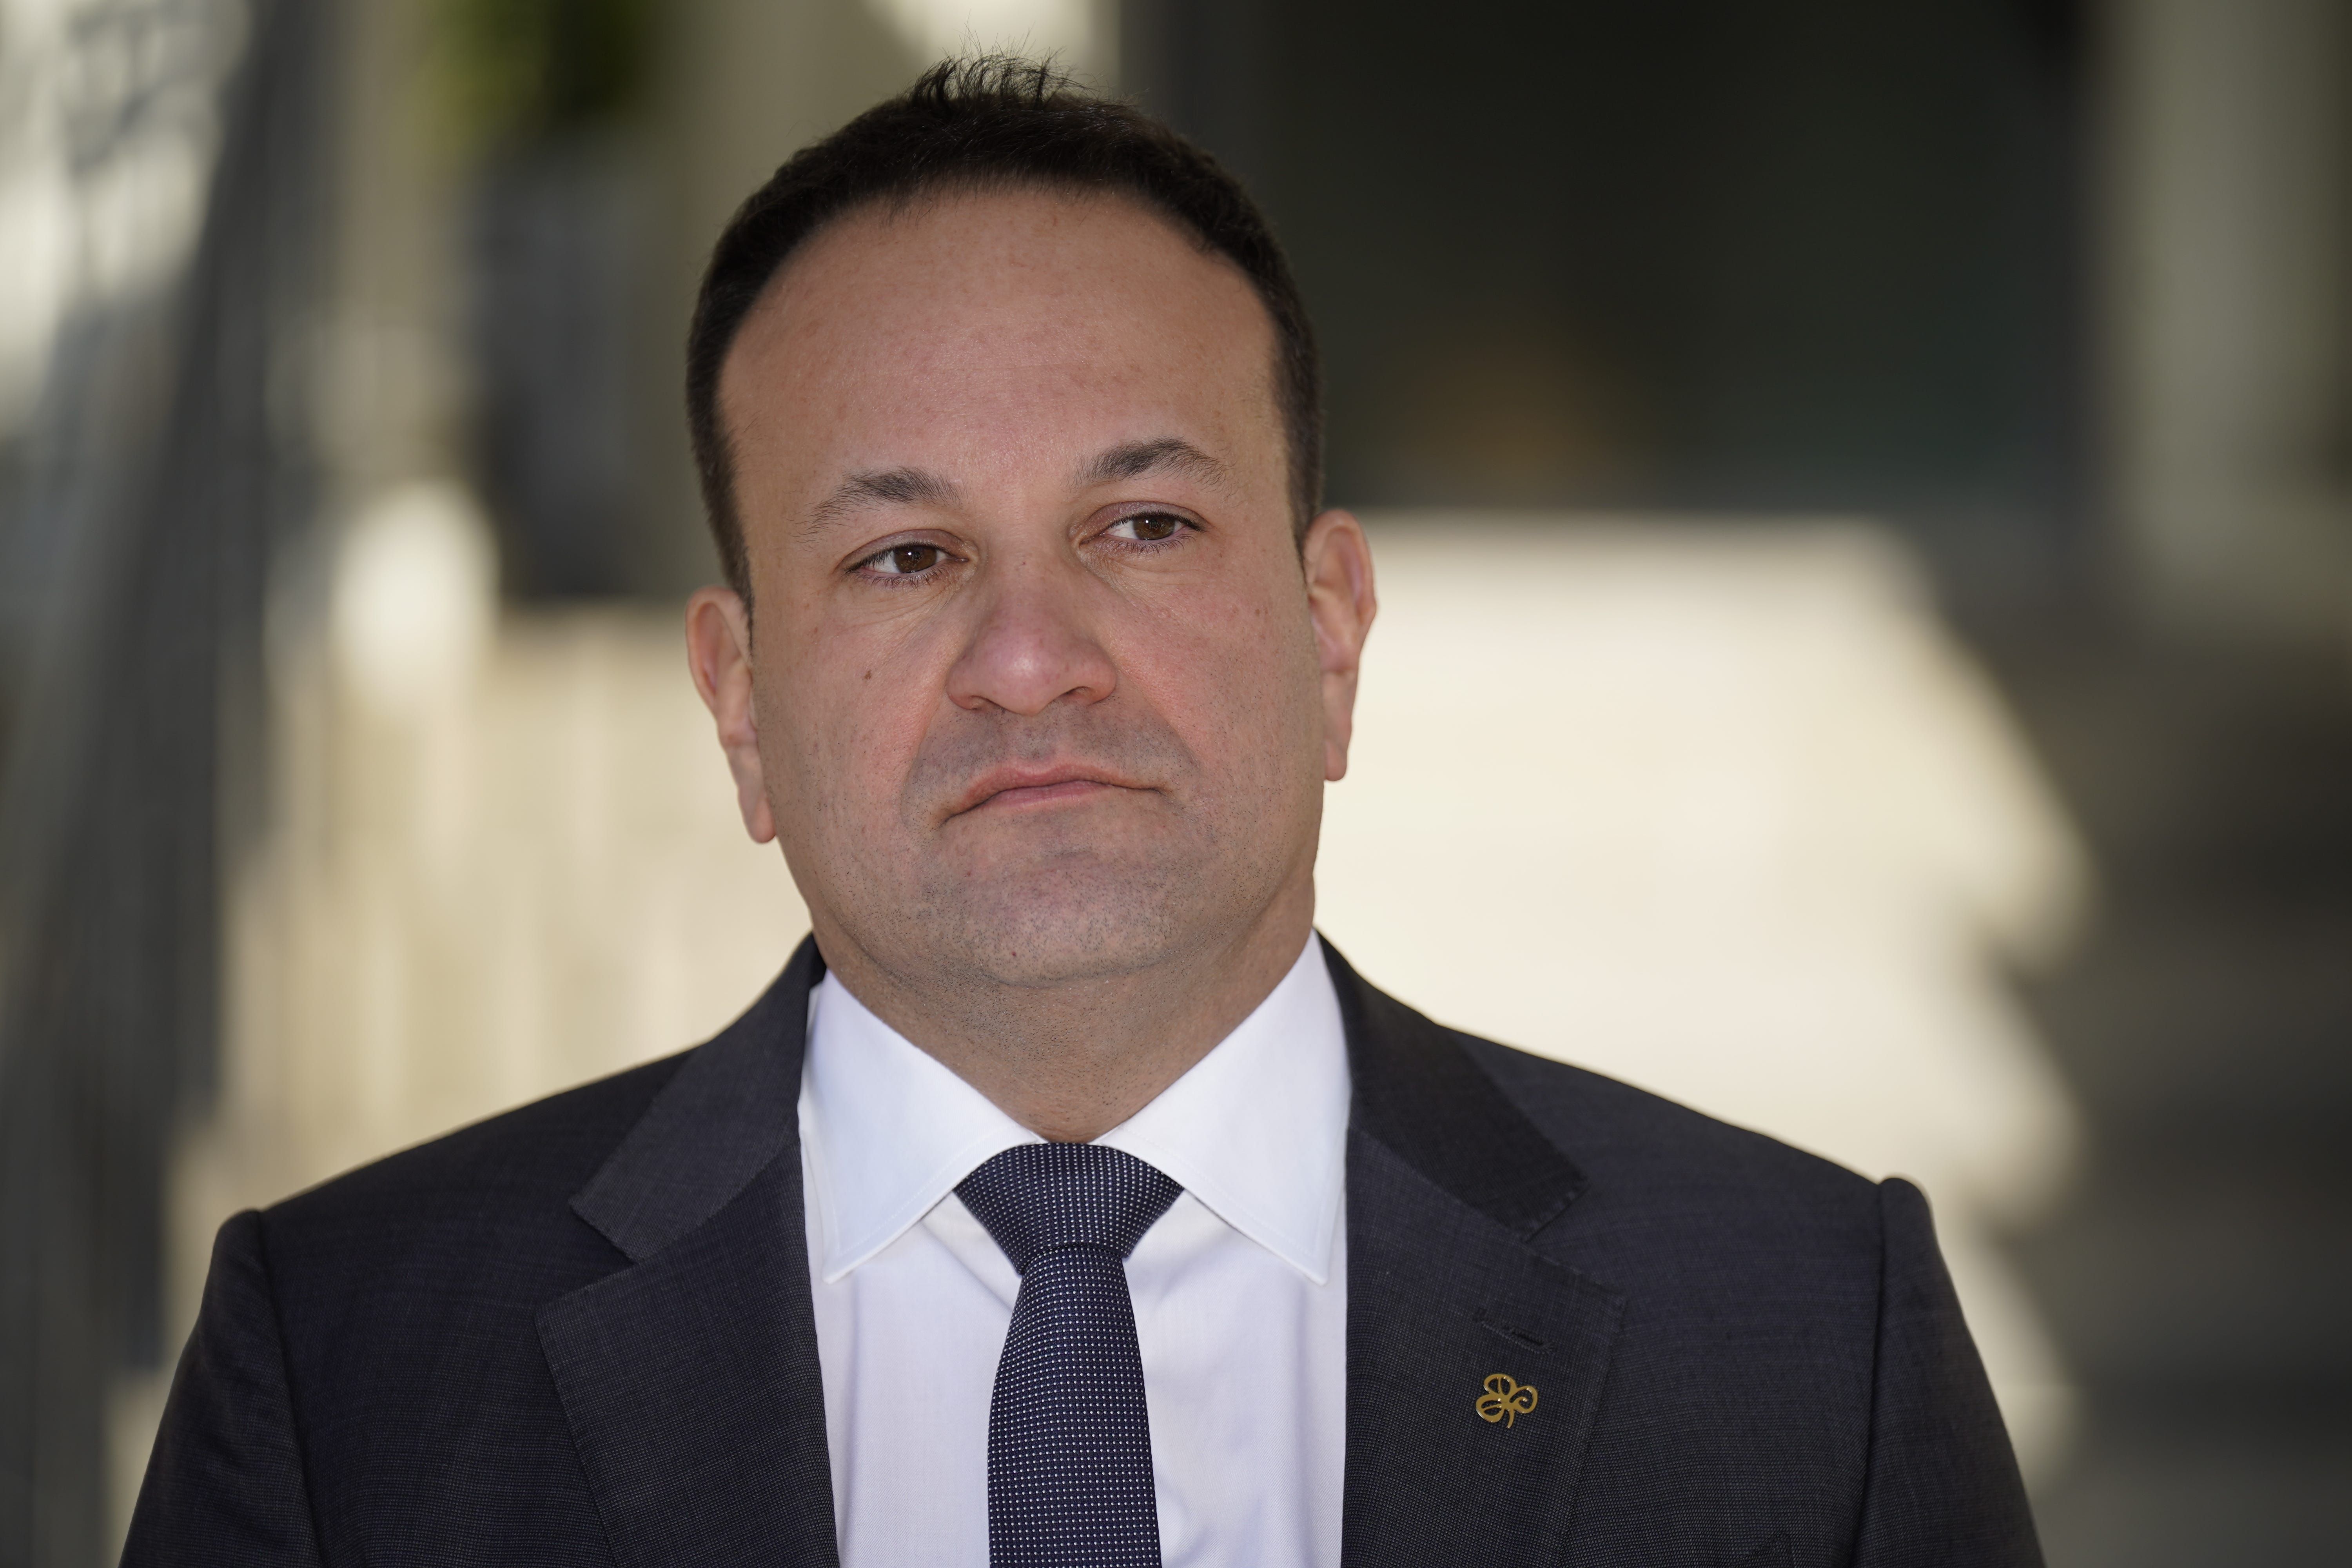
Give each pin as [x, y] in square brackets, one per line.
[1240, 1290]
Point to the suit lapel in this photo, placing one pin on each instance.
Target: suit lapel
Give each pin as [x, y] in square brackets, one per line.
[691, 1382]
[1448, 1304]
[690, 1379]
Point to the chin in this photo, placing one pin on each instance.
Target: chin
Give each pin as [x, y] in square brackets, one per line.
[1065, 923]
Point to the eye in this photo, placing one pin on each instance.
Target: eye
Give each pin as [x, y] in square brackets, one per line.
[1147, 527]
[903, 560]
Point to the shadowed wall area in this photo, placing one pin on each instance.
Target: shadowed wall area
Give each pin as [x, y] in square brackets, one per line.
[1818, 255]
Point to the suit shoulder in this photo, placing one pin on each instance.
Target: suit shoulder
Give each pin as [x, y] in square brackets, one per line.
[1625, 1136]
[476, 1226]
[544, 1150]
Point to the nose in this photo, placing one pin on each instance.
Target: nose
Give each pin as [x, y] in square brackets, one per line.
[1032, 645]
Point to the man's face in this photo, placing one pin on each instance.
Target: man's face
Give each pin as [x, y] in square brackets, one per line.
[1039, 690]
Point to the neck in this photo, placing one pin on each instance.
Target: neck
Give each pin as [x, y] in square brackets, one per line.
[1072, 1061]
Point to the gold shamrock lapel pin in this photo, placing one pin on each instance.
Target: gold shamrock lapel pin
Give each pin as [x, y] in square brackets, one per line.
[1505, 1399]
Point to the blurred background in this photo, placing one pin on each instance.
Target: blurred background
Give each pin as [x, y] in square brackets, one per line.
[1863, 496]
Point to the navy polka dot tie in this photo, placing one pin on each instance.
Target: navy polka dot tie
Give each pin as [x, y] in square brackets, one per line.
[1069, 1448]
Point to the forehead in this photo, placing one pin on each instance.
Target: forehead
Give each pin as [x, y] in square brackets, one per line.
[972, 311]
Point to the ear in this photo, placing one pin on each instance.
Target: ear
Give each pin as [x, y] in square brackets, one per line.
[718, 652]
[1341, 603]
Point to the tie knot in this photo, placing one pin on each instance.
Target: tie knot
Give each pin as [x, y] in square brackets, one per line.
[1040, 1196]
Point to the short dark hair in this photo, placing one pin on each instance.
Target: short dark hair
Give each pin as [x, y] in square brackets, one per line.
[993, 122]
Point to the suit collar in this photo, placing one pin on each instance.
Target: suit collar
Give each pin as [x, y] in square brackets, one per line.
[725, 1116]
[1419, 1093]
[732, 1108]
[1448, 1301]
[690, 1379]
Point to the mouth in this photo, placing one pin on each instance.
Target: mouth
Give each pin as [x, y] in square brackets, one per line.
[1022, 788]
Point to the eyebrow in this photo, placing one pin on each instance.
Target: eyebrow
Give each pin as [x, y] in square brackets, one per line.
[887, 486]
[1133, 459]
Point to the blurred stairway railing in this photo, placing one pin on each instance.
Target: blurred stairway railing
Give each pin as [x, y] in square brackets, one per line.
[165, 467]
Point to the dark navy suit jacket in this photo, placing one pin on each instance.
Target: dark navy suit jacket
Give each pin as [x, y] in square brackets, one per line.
[581, 1334]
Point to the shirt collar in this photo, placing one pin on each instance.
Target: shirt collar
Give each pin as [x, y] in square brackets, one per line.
[1256, 1129]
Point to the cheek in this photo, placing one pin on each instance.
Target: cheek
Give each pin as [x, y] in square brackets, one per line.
[1236, 674]
[848, 722]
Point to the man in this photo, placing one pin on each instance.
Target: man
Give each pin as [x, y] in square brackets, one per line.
[1066, 1200]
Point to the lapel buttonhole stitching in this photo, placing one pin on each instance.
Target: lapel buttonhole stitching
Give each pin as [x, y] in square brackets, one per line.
[1519, 1336]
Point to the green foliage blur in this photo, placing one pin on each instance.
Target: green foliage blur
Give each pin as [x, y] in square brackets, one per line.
[515, 71]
